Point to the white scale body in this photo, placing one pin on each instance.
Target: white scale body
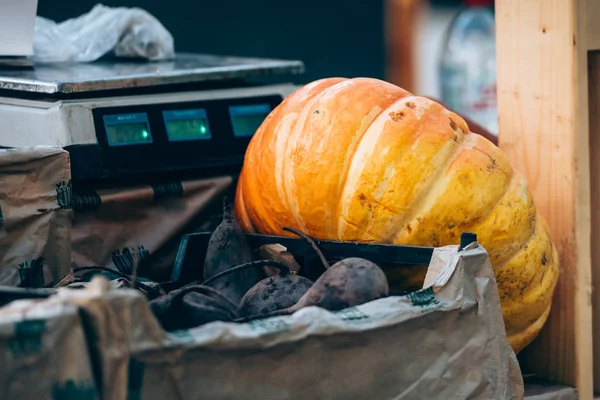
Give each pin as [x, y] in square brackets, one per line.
[65, 123]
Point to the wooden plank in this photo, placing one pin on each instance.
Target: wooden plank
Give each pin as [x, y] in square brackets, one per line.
[542, 100]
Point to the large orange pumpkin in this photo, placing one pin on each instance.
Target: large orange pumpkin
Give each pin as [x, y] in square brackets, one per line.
[364, 160]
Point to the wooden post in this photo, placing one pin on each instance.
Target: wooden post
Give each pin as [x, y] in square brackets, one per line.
[544, 110]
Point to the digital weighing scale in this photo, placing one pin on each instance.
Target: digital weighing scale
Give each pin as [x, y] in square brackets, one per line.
[118, 118]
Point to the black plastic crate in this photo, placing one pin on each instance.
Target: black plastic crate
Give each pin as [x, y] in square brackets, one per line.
[189, 262]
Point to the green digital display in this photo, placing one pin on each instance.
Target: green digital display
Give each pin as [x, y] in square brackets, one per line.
[245, 120]
[127, 129]
[246, 125]
[185, 125]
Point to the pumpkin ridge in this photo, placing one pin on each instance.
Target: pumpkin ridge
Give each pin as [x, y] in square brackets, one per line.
[345, 170]
[347, 165]
[418, 205]
[268, 219]
[283, 173]
[472, 224]
[257, 142]
[509, 223]
[521, 303]
[264, 205]
[519, 340]
[524, 244]
[319, 129]
[409, 103]
[433, 225]
[333, 230]
[240, 207]
[287, 170]
[252, 178]
[288, 176]
[425, 191]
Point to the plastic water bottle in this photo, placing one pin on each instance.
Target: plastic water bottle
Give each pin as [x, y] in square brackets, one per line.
[468, 64]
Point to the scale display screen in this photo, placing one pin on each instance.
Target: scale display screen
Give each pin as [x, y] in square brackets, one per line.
[127, 129]
[247, 119]
[185, 125]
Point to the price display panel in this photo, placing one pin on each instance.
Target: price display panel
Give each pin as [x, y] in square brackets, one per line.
[186, 125]
[127, 129]
[246, 119]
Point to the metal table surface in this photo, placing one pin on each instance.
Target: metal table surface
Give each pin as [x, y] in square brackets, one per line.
[122, 74]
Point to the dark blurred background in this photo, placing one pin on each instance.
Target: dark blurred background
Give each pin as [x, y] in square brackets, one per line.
[333, 37]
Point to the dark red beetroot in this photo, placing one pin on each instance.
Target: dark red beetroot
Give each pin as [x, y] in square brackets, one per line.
[228, 248]
[349, 282]
[274, 293]
[192, 306]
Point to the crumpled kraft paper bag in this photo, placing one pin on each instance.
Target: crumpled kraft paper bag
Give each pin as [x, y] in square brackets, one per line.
[44, 352]
[113, 226]
[446, 341]
[46, 227]
[35, 216]
[117, 321]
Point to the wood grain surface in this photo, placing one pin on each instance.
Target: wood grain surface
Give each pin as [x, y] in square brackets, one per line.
[543, 114]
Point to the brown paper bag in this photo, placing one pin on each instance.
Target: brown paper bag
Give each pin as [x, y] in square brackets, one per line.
[446, 341]
[115, 327]
[35, 216]
[45, 227]
[115, 226]
[44, 352]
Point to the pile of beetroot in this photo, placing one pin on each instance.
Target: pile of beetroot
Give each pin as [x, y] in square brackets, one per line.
[236, 287]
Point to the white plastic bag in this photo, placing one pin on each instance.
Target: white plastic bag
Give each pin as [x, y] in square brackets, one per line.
[128, 32]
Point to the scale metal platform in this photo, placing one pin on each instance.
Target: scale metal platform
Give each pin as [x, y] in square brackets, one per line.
[120, 118]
